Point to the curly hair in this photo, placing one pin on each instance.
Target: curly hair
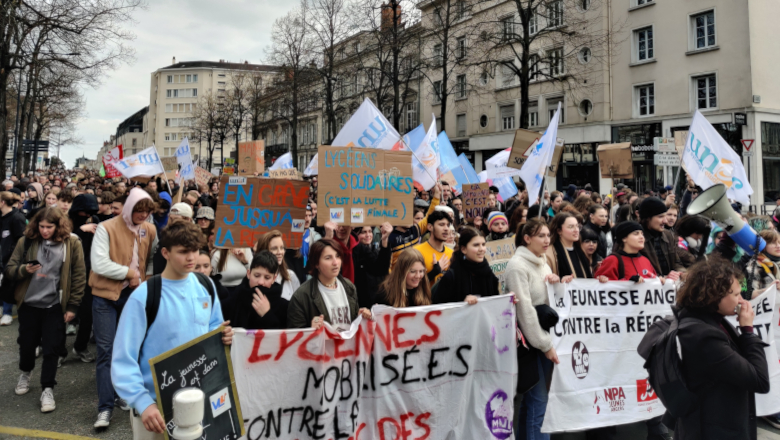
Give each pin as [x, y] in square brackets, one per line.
[707, 283]
[182, 233]
[51, 215]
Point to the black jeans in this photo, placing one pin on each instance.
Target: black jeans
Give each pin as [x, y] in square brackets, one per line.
[47, 328]
[85, 321]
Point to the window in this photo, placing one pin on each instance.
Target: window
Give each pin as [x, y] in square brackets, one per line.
[555, 13]
[533, 114]
[461, 125]
[167, 136]
[438, 55]
[170, 79]
[533, 67]
[584, 55]
[770, 149]
[438, 125]
[220, 75]
[437, 19]
[221, 83]
[555, 61]
[460, 9]
[461, 86]
[706, 92]
[483, 78]
[437, 92]
[178, 122]
[533, 23]
[483, 121]
[585, 107]
[508, 28]
[507, 75]
[584, 5]
[704, 30]
[356, 46]
[552, 106]
[179, 108]
[507, 117]
[135, 142]
[644, 43]
[643, 2]
[645, 100]
[411, 115]
[461, 47]
[181, 93]
[180, 79]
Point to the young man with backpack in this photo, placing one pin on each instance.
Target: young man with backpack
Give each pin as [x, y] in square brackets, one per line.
[159, 306]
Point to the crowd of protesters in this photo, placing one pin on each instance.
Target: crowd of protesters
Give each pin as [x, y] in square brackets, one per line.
[93, 250]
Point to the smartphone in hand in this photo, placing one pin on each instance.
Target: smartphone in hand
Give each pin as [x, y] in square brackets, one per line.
[33, 262]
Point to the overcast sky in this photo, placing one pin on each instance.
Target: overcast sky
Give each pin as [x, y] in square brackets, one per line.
[190, 30]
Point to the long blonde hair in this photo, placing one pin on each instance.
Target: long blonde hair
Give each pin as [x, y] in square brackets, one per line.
[394, 285]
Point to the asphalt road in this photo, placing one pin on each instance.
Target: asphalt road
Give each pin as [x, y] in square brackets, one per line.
[76, 398]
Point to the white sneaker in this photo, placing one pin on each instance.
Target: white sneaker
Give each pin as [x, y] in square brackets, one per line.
[47, 401]
[23, 386]
[70, 330]
[38, 351]
[6, 320]
[122, 404]
[103, 419]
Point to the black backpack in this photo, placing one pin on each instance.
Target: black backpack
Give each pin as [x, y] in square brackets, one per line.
[659, 348]
[154, 293]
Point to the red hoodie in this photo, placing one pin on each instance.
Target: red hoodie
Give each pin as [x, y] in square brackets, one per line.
[633, 264]
[347, 265]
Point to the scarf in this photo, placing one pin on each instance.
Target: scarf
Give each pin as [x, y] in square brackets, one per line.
[242, 313]
[472, 278]
[499, 236]
[582, 270]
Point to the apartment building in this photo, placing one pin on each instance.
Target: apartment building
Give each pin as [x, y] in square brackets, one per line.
[130, 133]
[668, 60]
[174, 94]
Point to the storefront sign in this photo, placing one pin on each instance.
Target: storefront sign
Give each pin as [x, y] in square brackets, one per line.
[666, 160]
[740, 118]
[664, 145]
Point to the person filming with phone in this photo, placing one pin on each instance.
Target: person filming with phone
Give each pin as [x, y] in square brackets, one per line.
[723, 366]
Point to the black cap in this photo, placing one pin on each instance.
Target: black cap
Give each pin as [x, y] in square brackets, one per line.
[624, 229]
[651, 207]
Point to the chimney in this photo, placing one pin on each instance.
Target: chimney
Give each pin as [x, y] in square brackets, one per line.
[174, 60]
[246, 62]
[387, 14]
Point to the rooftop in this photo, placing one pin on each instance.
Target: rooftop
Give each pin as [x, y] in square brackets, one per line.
[222, 64]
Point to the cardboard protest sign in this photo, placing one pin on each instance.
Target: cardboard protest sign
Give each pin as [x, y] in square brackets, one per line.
[552, 170]
[169, 163]
[616, 161]
[249, 207]
[524, 140]
[365, 187]
[475, 198]
[251, 157]
[202, 177]
[284, 173]
[202, 363]
[498, 253]
[384, 379]
[601, 380]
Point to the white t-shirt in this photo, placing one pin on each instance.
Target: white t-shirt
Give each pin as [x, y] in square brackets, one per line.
[337, 304]
[288, 287]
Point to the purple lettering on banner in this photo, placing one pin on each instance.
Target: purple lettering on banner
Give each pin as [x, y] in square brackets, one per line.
[498, 415]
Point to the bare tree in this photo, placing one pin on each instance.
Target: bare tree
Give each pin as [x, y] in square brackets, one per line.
[256, 104]
[292, 49]
[392, 59]
[88, 37]
[542, 40]
[329, 24]
[236, 103]
[203, 124]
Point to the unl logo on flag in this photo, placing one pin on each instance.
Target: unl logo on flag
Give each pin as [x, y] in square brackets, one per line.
[644, 391]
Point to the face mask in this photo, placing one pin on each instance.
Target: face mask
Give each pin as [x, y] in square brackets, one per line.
[693, 243]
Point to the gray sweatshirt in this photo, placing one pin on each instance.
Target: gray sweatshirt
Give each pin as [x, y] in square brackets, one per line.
[44, 289]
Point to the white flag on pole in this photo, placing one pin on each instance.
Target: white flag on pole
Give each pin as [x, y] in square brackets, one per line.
[427, 153]
[535, 166]
[368, 128]
[145, 163]
[496, 166]
[710, 160]
[283, 162]
[314, 166]
[184, 158]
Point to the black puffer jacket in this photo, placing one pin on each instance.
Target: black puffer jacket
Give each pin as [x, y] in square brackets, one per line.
[88, 204]
[12, 227]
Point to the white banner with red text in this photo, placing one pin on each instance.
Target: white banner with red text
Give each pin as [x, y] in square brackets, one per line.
[412, 373]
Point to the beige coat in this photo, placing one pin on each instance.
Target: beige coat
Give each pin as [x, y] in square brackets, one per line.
[525, 274]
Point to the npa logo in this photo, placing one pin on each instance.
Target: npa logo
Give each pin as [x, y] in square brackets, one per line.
[297, 226]
[644, 391]
[337, 215]
[357, 215]
[610, 400]
[220, 402]
[580, 360]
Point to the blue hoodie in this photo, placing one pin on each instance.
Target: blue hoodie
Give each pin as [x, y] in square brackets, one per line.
[161, 220]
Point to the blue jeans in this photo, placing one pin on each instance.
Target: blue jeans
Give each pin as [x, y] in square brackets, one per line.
[105, 317]
[7, 308]
[534, 405]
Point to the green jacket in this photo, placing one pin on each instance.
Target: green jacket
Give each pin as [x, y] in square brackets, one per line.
[73, 277]
[307, 302]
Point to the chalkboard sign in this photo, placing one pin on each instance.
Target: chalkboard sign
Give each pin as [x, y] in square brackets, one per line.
[202, 363]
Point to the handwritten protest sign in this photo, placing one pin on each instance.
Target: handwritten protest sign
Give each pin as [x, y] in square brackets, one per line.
[202, 177]
[202, 363]
[475, 198]
[367, 187]
[284, 173]
[384, 379]
[251, 157]
[249, 207]
[524, 140]
[498, 253]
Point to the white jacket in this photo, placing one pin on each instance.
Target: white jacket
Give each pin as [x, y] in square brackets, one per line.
[525, 275]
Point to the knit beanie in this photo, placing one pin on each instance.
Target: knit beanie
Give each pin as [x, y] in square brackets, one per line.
[494, 216]
[624, 229]
[651, 207]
